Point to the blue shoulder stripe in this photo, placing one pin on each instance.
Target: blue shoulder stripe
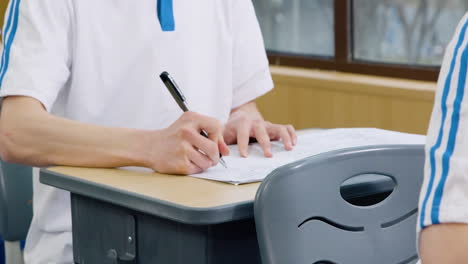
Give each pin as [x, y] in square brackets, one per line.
[165, 12]
[10, 39]
[5, 33]
[436, 146]
[460, 93]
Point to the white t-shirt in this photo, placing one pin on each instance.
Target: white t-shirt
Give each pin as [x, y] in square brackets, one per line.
[99, 62]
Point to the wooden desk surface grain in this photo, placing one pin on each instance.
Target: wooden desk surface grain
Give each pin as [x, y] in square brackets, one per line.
[182, 190]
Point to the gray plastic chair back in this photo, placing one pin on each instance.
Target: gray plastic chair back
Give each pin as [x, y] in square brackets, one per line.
[15, 201]
[301, 216]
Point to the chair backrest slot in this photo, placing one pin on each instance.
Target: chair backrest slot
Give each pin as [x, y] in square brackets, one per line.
[332, 223]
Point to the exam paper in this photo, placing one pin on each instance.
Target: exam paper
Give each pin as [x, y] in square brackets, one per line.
[256, 167]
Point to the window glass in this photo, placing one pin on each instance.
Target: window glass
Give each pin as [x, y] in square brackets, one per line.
[297, 26]
[412, 32]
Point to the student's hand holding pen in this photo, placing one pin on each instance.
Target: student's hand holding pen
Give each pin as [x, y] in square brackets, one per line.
[181, 149]
[246, 122]
[180, 99]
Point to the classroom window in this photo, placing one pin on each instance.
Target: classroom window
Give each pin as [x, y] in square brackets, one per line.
[292, 26]
[397, 38]
[406, 32]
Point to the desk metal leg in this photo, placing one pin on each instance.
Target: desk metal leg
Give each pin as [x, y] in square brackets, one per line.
[103, 232]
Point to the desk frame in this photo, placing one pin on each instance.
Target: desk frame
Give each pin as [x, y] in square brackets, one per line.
[115, 226]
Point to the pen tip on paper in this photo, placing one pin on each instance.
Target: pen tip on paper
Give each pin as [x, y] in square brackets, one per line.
[223, 163]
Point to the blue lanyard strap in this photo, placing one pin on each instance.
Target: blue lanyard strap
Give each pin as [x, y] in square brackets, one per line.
[166, 15]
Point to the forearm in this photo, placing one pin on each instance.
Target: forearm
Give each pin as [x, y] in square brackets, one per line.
[444, 243]
[32, 136]
[250, 108]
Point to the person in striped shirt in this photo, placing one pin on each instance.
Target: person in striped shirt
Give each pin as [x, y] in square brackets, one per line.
[443, 207]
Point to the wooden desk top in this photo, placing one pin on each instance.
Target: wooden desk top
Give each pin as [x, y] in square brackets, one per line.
[181, 190]
[180, 198]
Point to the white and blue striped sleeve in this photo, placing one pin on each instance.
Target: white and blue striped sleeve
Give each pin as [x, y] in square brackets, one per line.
[36, 53]
[444, 194]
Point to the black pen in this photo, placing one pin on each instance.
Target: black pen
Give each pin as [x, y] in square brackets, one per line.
[180, 99]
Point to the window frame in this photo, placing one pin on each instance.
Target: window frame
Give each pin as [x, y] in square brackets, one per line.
[343, 60]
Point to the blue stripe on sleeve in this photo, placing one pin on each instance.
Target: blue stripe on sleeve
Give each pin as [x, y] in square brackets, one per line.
[10, 39]
[436, 146]
[165, 12]
[452, 137]
[5, 33]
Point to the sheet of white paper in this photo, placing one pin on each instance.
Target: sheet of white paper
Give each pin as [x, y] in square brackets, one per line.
[256, 167]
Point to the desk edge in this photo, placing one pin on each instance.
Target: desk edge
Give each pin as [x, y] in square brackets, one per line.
[156, 207]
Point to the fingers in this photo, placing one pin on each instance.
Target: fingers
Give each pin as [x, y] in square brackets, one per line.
[184, 166]
[263, 131]
[292, 134]
[243, 135]
[285, 137]
[191, 168]
[223, 148]
[205, 145]
[287, 134]
[263, 138]
[186, 151]
[214, 130]
[229, 135]
[211, 126]
[200, 160]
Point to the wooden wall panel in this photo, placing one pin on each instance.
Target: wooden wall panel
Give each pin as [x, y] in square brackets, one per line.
[3, 5]
[330, 100]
